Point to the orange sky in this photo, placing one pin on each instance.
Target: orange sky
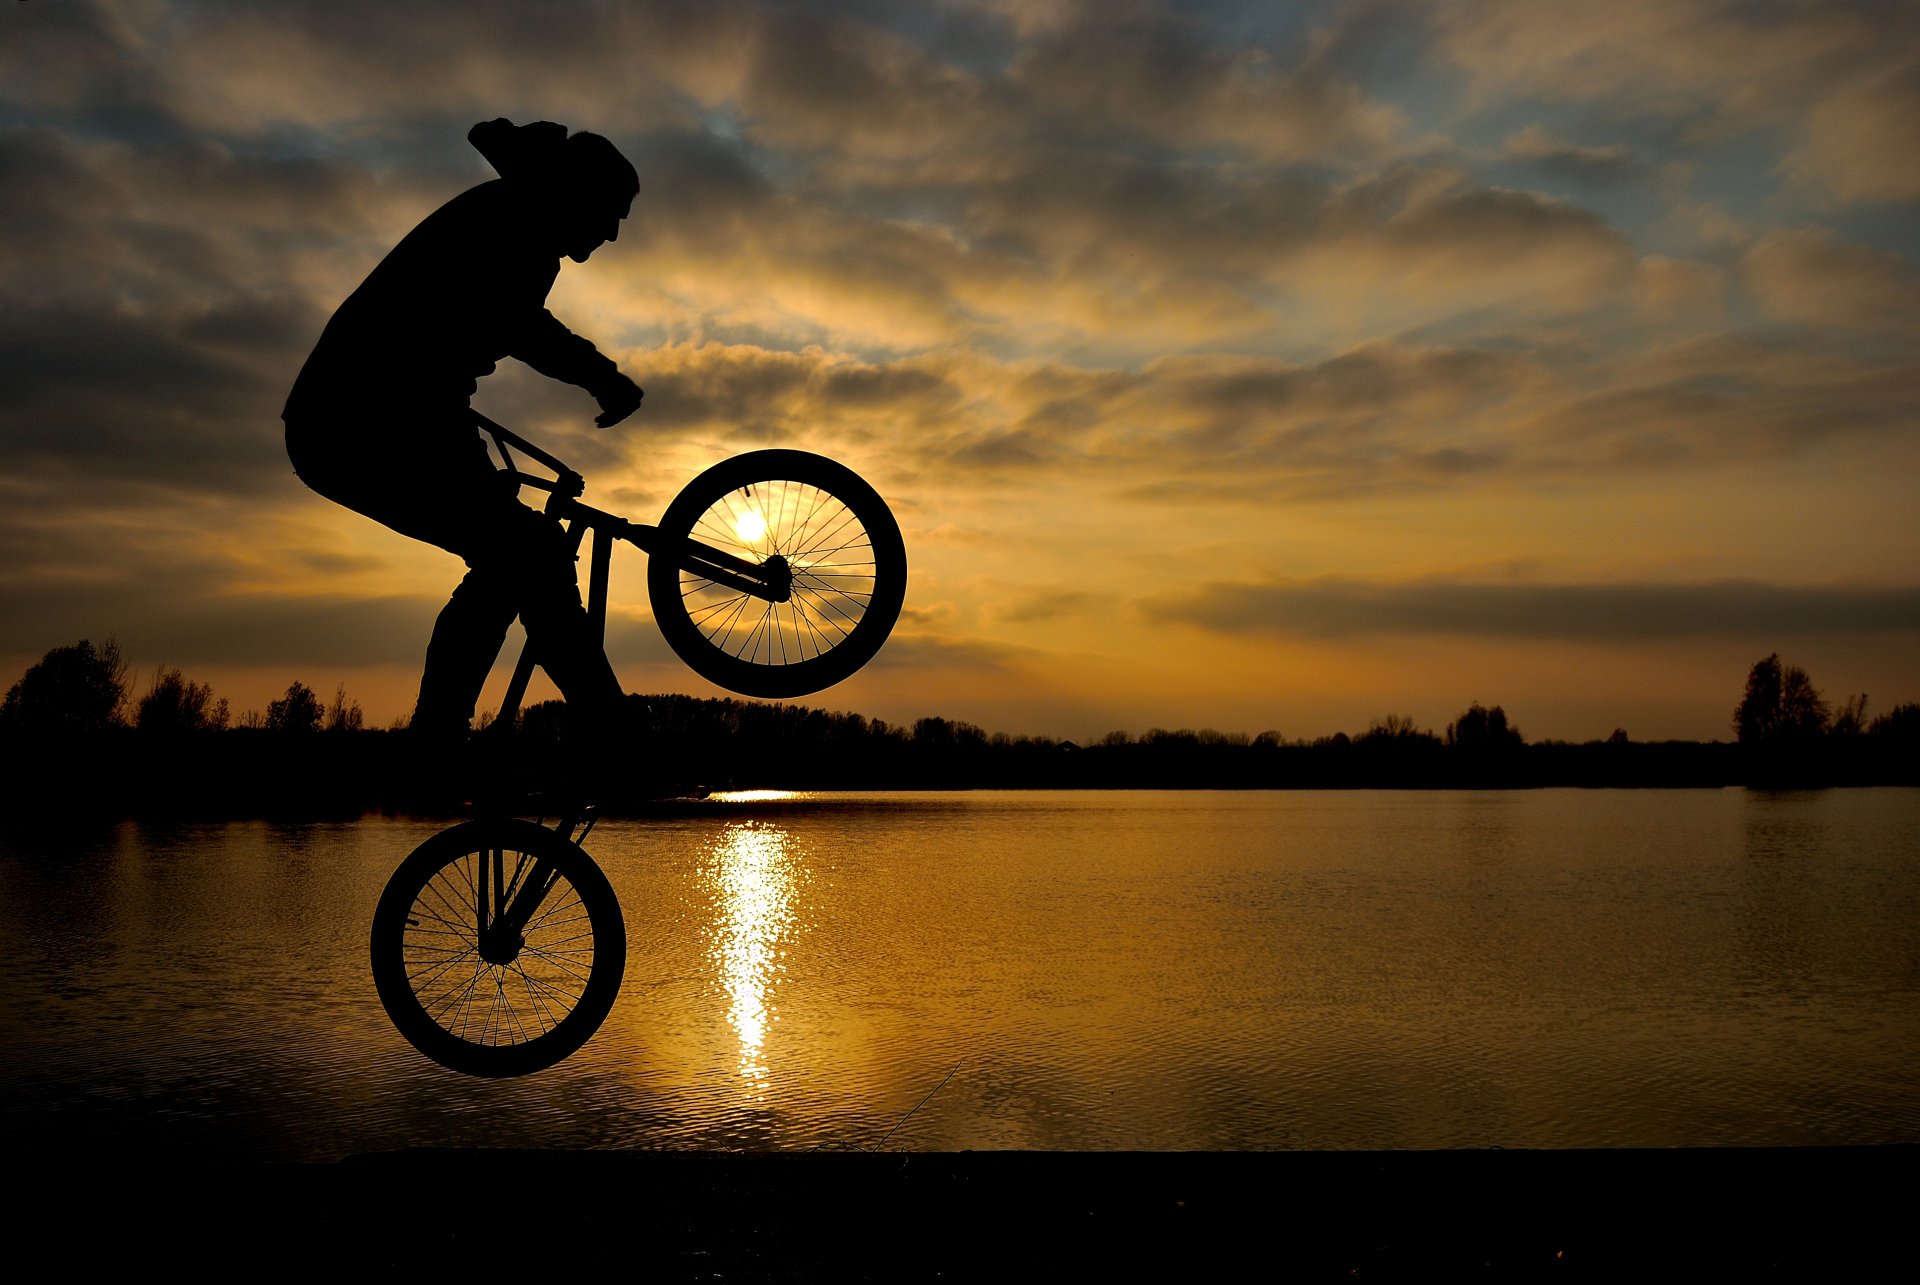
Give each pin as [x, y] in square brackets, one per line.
[1232, 365]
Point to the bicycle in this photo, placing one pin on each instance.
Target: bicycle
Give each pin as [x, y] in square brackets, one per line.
[498, 945]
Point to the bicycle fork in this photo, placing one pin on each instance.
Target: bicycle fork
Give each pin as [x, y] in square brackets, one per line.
[506, 901]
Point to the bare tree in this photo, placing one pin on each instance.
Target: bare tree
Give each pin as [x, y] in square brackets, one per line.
[344, 715]
[1852, 718]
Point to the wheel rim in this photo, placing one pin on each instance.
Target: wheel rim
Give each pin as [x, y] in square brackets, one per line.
[826, 547]
[484, 1001]
[526, 990]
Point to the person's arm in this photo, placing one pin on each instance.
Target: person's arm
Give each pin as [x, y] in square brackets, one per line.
[558, 353]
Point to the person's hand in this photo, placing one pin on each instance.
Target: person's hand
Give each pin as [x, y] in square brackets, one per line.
[619, 397]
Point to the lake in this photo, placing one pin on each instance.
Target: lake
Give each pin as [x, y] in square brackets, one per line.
[1046, 970]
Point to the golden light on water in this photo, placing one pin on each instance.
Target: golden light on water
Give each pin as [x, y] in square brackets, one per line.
[754, 871]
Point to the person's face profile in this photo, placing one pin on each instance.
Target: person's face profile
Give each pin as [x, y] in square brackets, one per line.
[595, 223]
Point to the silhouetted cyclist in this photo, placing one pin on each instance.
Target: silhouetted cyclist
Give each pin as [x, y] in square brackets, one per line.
[378, 419]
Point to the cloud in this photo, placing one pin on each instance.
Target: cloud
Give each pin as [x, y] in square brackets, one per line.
[823, 81]
[185, 619]
[909, 652]
[1246, 430]
[1701, 403]
[1809, 275]
[1437, 246]
[1027, 219]
[1860, 140]
[1037, 606]
[1614, 163]
[750, 393]
[1159, 76]
[1609, 613]
[1841, 76]
[1666, 55]
[154, 311]
[1666, 288]
[1250, 421]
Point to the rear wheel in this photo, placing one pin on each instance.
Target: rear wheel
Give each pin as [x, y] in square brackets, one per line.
[795, 514]
[498, 948]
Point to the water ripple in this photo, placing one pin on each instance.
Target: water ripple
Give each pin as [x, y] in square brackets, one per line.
[1547, 969]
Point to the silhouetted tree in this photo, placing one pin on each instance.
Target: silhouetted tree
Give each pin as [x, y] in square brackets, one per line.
[344, 715]
[299, 711]
[74, 690]
[1482, 730]
[174, 705]
[1781, 706]
[1902, 723]
[1852, 718]
[1396, 727]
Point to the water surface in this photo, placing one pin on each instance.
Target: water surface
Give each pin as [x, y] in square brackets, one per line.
[1060, 970]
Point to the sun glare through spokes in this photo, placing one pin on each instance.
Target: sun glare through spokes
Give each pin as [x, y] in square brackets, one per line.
[827, 551]
[750, 526]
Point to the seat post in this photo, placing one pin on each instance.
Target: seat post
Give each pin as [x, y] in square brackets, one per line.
[597, 583]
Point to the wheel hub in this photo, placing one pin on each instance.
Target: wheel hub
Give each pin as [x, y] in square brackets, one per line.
[779, 577]
[501, 945]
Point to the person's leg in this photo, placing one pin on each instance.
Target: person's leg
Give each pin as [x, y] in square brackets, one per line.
[467, 638]
[535, 559]
[521, 562]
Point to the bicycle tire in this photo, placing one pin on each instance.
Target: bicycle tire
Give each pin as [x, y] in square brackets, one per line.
[465, 1012]
[849, 569]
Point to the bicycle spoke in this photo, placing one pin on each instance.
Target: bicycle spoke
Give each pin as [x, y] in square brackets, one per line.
[829, 555]
[807, 524]
[825, 605]
[820, 498]
[814, 631]
[849, 518]
[497, 1004]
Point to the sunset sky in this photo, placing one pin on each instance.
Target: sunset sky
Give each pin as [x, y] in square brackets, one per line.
[1237, 364]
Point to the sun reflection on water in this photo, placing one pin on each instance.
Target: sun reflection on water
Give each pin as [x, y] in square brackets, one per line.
[754, 870]
[758, 796]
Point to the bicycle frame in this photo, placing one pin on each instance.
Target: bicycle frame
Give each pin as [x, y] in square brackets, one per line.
[771, 580]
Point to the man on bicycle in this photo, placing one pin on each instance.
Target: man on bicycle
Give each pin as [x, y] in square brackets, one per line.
[378, 419]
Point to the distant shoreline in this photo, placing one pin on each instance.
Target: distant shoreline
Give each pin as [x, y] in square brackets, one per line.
[241, 773]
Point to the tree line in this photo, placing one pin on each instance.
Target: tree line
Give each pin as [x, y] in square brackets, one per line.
[83, 690]
[74, 727]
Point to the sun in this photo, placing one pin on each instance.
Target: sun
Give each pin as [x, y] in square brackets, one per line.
[749, 526]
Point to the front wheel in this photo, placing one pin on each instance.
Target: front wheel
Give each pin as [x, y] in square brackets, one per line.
[824, 527]
[498, 947]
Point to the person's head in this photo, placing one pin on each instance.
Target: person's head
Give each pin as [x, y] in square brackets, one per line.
[598, 185]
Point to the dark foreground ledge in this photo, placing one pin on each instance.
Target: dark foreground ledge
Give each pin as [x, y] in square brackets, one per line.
[990, 1215]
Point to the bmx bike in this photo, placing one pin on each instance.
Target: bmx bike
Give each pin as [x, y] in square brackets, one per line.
[498, 945]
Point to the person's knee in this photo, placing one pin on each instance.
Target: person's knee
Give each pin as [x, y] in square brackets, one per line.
[546, 563]
[486, 590]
